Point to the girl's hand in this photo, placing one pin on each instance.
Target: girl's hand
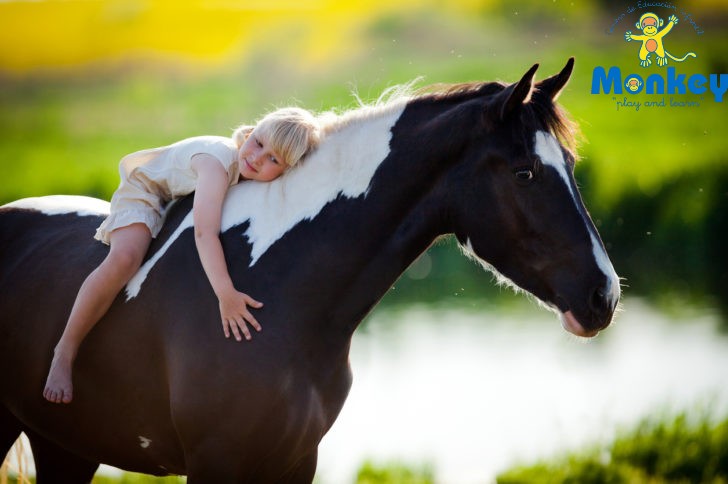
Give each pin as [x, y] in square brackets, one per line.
[212, 184]
[235, 315]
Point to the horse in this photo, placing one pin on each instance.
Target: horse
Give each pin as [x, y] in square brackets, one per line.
[159, 390]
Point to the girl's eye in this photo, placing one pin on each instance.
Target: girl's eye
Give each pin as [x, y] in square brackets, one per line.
[274, 160]
[257, 141]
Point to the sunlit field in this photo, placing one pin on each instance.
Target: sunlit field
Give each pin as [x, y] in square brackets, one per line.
[90, 81]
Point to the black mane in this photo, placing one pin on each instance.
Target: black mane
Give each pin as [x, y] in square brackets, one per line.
[540, 110]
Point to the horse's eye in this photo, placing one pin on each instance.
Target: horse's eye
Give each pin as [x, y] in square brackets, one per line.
[524, 175]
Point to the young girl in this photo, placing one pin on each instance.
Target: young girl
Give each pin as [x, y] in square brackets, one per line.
[207, 165]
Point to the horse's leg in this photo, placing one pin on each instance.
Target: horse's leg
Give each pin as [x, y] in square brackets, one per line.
[55, 464]
[10, 430]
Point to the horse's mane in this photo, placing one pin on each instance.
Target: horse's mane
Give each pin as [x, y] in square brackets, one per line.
[540, 110]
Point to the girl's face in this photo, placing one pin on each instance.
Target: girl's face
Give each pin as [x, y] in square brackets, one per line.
[258, 161]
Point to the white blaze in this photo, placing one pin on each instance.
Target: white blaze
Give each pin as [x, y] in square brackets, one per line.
[549, 151]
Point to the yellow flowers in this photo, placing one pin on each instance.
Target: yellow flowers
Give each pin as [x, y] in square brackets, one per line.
[63, 34]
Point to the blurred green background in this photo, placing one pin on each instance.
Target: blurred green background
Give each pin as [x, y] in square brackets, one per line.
[83, 83]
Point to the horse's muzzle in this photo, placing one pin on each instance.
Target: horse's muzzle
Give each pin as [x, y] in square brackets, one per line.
[598, 315]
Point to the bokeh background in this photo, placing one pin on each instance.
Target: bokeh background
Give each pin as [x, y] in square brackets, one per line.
[84, 82]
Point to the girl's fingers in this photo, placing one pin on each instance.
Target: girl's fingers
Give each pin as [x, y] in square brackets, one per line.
[252, 321]
[238, 323]
[229, 327]
[244, 328]
[235, 324]
[252, 302]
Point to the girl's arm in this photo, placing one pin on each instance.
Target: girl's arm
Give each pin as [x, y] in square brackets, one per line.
[212, 184]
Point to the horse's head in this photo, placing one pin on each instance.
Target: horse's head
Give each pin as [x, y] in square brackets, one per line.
[519, 208]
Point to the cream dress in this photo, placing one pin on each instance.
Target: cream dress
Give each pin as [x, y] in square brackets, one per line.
[151, 178]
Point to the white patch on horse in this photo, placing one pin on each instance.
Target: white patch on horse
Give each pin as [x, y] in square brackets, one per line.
[144, 442]
[62, 204]
[343, 165]
[548, 149]
[613, 286]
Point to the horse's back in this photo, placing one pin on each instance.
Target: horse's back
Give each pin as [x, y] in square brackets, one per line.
[148, 375]
[34, 230]
[36, 292]
[35, 237]
[47, 249]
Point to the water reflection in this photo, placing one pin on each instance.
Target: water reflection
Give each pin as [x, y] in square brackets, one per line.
[474, 392]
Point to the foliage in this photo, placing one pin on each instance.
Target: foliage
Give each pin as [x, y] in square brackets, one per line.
[134, 478]
[656, 451]
[394, 473]
[669, 244]
[123, 478]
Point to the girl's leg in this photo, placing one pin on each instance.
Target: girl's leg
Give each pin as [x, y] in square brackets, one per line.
[128, 246]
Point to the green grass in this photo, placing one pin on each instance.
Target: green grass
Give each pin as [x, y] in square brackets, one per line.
[657, 451]
[394, 472]
[690, 447]
[66, 135]
[124, 478]
[134, 478]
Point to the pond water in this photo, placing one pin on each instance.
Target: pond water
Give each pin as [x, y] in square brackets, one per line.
[472, 393]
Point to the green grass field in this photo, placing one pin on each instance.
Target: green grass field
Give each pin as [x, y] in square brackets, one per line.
[66, 135]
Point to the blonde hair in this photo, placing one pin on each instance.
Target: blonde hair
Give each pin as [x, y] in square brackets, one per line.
[292, 132]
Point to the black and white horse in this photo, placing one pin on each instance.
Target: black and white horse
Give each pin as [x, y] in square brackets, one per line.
[159, 390]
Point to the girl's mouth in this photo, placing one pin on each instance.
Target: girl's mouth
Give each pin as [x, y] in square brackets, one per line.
[250, 167]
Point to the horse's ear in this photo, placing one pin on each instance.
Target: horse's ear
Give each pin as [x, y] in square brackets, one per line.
[515, 95]
[553, 85]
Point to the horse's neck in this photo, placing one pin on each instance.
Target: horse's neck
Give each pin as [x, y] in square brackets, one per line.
[394, 219]
[360, 209]
[342, 167]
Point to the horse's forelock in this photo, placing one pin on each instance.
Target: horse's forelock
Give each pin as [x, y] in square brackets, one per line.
[554, 119]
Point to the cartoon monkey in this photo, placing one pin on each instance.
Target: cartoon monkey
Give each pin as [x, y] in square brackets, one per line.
[652, 40]
[633, 84]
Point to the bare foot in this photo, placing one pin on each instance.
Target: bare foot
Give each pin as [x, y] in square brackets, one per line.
[59, 388]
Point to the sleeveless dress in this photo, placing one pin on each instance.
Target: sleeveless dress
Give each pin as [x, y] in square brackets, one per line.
[152, 178]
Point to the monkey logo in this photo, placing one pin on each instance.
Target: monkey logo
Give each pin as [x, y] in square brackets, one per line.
[633, 83]
[652, 39]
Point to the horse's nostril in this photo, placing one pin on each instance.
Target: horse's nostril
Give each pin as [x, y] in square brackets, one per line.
[598, 300]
